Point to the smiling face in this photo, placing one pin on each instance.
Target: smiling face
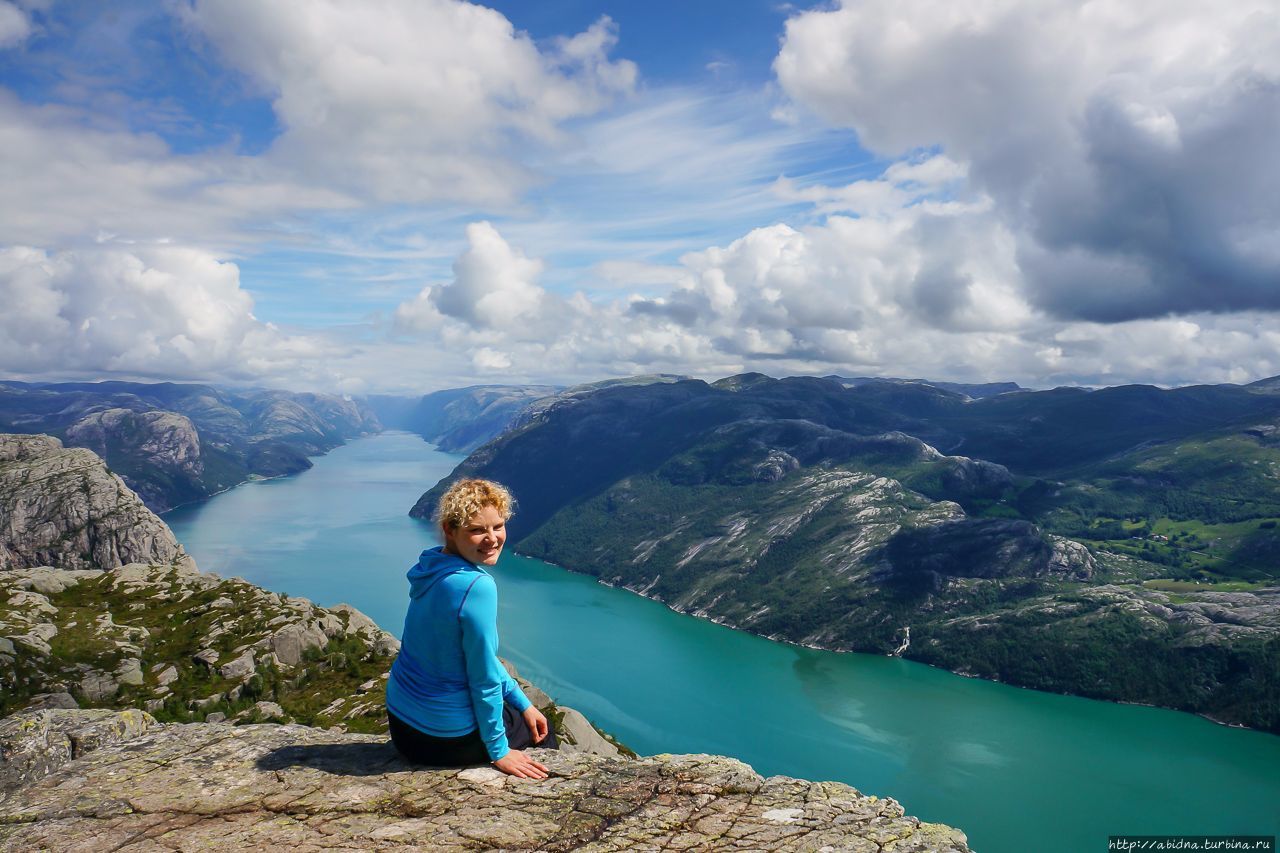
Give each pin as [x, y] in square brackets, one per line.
[479, 539]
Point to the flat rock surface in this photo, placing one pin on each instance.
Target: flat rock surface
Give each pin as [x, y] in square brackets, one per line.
[153, 787]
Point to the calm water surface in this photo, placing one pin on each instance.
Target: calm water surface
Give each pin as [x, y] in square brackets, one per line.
[1015, 769]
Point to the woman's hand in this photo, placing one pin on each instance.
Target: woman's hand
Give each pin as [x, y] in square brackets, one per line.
[537, 724]
[516, 763]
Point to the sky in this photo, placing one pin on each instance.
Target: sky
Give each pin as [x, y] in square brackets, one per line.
[399, 196]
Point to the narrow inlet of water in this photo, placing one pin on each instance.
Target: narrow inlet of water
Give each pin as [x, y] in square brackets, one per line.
[1016, 769]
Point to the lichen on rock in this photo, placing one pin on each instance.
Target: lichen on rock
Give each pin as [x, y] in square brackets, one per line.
[62, 507]
[144, 786]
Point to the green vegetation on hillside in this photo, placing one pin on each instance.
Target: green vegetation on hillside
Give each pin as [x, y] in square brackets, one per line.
[165, 621]
[803, 510]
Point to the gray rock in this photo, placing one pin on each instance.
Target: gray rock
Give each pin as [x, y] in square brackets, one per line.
[241, 667]
[163, 440]
[215, 717]
[204, 786]
[293, 639]
[263, 711]
[130, 672]
[167, 676]
[35, 743]
[52, 701]
[206, 657]
[98, 686]
[50, 581]
[61, 507]
[578, 735]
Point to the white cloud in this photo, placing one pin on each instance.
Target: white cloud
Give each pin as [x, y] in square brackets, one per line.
[494, 287]
[141, 311]
[1134, 138]
[70, 177]
[432, 102]
[851, 295]
[411, 100]
[14, 25]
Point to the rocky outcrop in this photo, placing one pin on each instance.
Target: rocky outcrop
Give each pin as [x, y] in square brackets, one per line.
[157, 453]
[190, 646]
[184, 644]
[167, 440]
[148, 786]
[62, 507]
[924, 556]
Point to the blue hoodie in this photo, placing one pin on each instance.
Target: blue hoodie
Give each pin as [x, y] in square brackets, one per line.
[447, 680]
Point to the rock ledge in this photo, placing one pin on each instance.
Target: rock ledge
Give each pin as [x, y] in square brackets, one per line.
[137, 785]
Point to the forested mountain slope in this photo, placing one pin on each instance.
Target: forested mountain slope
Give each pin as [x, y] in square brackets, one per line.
[846, 518]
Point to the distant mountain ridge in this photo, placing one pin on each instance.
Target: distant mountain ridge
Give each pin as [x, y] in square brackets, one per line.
[459, 420]
[973, 390]
[176, 443]
[1060, 551]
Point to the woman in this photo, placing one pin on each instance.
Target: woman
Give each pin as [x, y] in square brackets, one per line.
[450, 701]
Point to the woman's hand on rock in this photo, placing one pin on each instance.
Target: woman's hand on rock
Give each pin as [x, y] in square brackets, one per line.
[517, 763]
[537, 724]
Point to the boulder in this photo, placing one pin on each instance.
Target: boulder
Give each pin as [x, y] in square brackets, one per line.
[290, 641]
[240, 668]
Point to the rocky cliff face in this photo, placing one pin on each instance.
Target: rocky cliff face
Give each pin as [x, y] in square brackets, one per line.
[62, 507]
[158, 451]
[100, 780]
[168, 439]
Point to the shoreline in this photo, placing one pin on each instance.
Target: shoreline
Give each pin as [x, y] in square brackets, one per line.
[775, 639]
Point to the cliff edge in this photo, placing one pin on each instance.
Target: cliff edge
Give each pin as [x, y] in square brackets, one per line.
[108, 780]
[63, 507]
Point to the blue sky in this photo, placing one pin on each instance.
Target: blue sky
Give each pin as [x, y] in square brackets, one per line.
[405, 195]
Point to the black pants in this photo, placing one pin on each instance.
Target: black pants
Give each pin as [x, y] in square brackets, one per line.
[421, 748]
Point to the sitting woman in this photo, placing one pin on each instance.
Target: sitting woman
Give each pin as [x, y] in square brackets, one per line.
[449, 699]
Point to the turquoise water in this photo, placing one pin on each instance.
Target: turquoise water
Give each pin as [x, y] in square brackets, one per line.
[1015, 769]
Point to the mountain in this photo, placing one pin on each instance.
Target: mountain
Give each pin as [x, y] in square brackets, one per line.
[843, 517]
[177, 443]
[459, 420]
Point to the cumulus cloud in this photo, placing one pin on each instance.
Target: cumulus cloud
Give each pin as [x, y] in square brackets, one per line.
[430, 102]
[153, 311]
[494, 287]
[411, 100]
[1128, 146]
[858, 295]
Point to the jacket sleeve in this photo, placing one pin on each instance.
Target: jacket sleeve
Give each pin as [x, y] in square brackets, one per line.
[486, 678]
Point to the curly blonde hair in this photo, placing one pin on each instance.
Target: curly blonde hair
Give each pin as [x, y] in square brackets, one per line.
[467, 497]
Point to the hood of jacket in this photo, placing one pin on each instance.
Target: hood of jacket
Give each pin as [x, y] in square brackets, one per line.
[433, 565]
